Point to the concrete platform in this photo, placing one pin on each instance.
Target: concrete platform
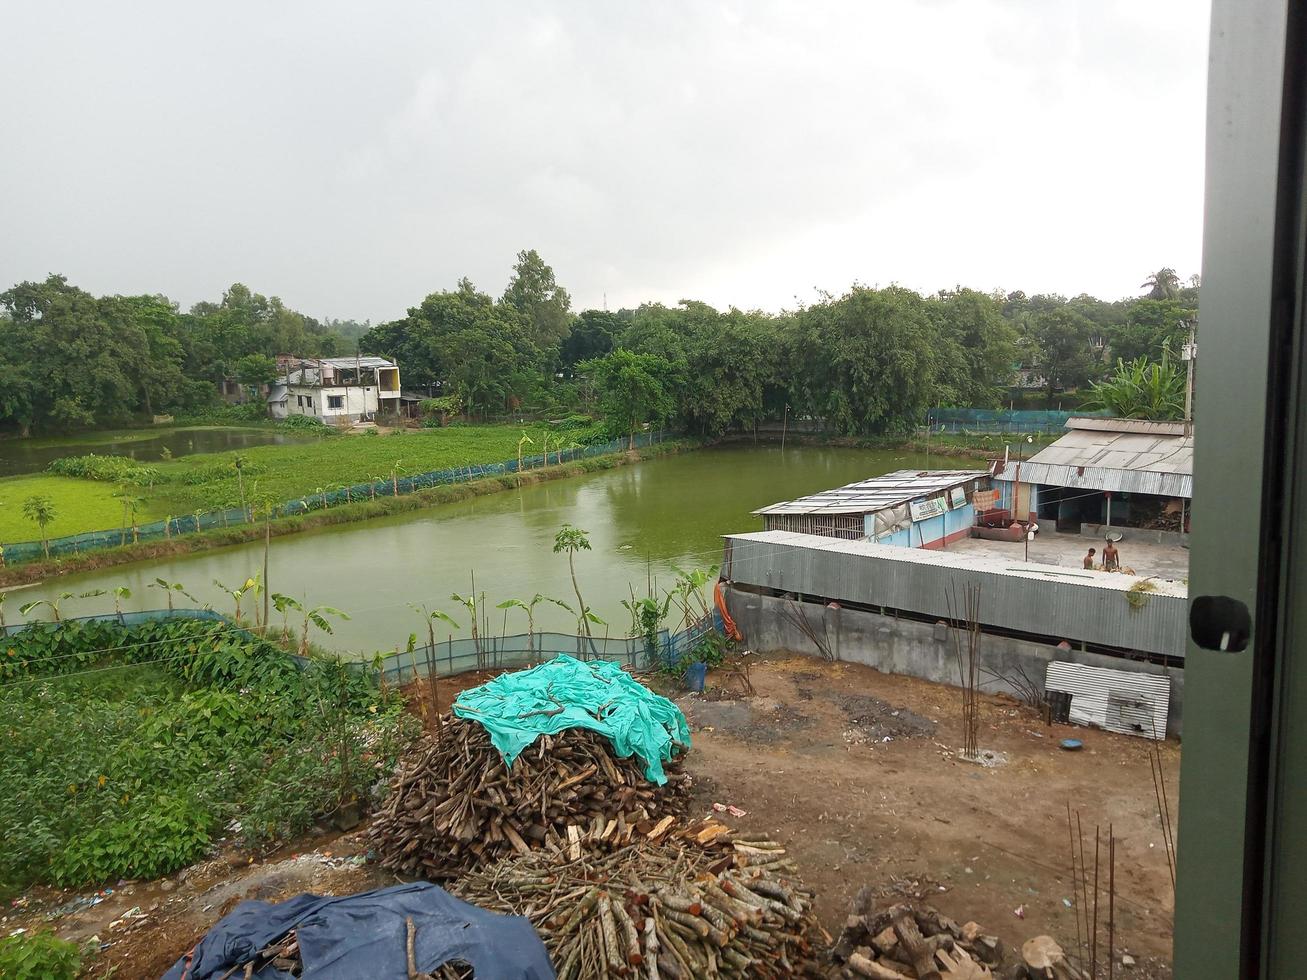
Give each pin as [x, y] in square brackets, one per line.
[1068, 551]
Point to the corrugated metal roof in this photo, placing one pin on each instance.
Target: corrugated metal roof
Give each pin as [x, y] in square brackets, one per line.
[1155, 460]
[1119, 700]
[876, 493]
[1100, 424]
[1069, 603]
[277, 393]
[352, 362]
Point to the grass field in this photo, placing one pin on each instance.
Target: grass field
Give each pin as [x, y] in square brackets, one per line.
[80, 505]
[279, 473]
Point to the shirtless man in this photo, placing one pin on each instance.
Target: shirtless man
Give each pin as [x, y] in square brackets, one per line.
[1089, 559]
[1111, 559]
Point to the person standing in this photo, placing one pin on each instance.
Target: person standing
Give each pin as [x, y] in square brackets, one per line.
[1089, 559]
[1111, 558]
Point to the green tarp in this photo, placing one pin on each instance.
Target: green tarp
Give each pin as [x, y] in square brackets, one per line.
[566, 693]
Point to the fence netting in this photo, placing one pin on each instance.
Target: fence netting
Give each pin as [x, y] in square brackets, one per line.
[74, 544]
[983, 420]
[456, 656]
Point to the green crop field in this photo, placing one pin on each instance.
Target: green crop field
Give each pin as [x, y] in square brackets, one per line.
[80, 505]
[277, 473]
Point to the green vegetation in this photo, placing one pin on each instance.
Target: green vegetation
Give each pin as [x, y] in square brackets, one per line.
[39, 956]
[128, 748]
[79, 505]
[1142, 389]
[86, 499]
[866, 362]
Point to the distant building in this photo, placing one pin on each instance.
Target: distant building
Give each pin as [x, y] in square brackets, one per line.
[910, 508]
[337, 390]
[1105, 473]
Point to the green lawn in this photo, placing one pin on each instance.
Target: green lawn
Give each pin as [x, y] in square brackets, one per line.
[80, 505]
[281, 473]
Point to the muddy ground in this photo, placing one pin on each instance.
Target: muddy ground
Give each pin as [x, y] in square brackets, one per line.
[855, 771]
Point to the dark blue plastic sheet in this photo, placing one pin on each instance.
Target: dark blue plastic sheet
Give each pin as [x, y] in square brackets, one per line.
[364, 935]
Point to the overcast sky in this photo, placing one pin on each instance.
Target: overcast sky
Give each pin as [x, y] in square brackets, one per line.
[352, 158]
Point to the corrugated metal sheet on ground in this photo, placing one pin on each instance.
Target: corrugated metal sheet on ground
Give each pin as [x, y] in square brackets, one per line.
[1044, 600]
[871, 495]
[1118, 700]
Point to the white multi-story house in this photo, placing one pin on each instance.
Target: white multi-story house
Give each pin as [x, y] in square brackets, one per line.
[337, 390]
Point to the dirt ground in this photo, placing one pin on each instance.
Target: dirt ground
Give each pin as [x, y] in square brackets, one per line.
[854, 771]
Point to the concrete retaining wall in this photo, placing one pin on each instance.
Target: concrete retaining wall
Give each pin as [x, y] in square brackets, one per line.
[917, 649]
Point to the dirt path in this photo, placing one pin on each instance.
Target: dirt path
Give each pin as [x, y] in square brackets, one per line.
[854, 771]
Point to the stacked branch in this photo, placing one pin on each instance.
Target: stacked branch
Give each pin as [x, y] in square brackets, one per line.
[454, 803]
[670, 905]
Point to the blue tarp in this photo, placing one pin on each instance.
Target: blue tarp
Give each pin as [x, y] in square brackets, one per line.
[365, 935]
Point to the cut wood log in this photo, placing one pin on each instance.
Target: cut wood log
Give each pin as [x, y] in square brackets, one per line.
[914, 947]
[866, 967]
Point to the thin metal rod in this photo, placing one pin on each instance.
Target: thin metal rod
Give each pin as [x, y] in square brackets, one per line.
[1093, 947]
[1075, 888]
[1111, 902]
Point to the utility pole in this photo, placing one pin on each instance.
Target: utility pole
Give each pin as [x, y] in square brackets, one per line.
[1190, 355]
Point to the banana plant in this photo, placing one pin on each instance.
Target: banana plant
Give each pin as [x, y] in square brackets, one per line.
[284, 604]
[169, 588]
[56, 602]
[317, 616]
[469, 602]
[372, 484]
[529, 607]
[396, 468]
[430, 617]
[236, 594]
[526, 440]
[690, 586]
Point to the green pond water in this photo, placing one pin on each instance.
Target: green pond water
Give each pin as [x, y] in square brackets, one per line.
[18, 456]
[643, 520]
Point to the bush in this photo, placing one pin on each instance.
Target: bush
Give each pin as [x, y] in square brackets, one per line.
[39, 956]
[109, 469]
[308, 423]
[109, 773]
[153, 838]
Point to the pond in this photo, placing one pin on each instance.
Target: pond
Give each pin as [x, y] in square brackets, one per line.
[644, 521]
[19, 456]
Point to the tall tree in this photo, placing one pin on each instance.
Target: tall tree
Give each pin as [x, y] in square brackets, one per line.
[633, 389]
[976, 346]
[865, 362]
[593, 335]
[533, 292]
[1062, 353]
[1162, 284]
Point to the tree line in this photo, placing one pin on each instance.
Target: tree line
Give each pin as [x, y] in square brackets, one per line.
[70, 360]
[870, 361]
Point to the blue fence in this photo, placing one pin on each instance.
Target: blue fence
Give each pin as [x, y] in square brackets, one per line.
[986, 420]
[235, 516]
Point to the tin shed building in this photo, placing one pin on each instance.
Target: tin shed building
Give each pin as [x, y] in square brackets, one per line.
[909, 508]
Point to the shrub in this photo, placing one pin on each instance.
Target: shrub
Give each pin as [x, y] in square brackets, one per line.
[109, 469]
[128, 747]
[39, 956]
[309, 423]
[152, 838]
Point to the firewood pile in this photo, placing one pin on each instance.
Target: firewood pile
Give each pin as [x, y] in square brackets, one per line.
[675, 903]
[454, 804]
[284, 954]
[906, 942]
